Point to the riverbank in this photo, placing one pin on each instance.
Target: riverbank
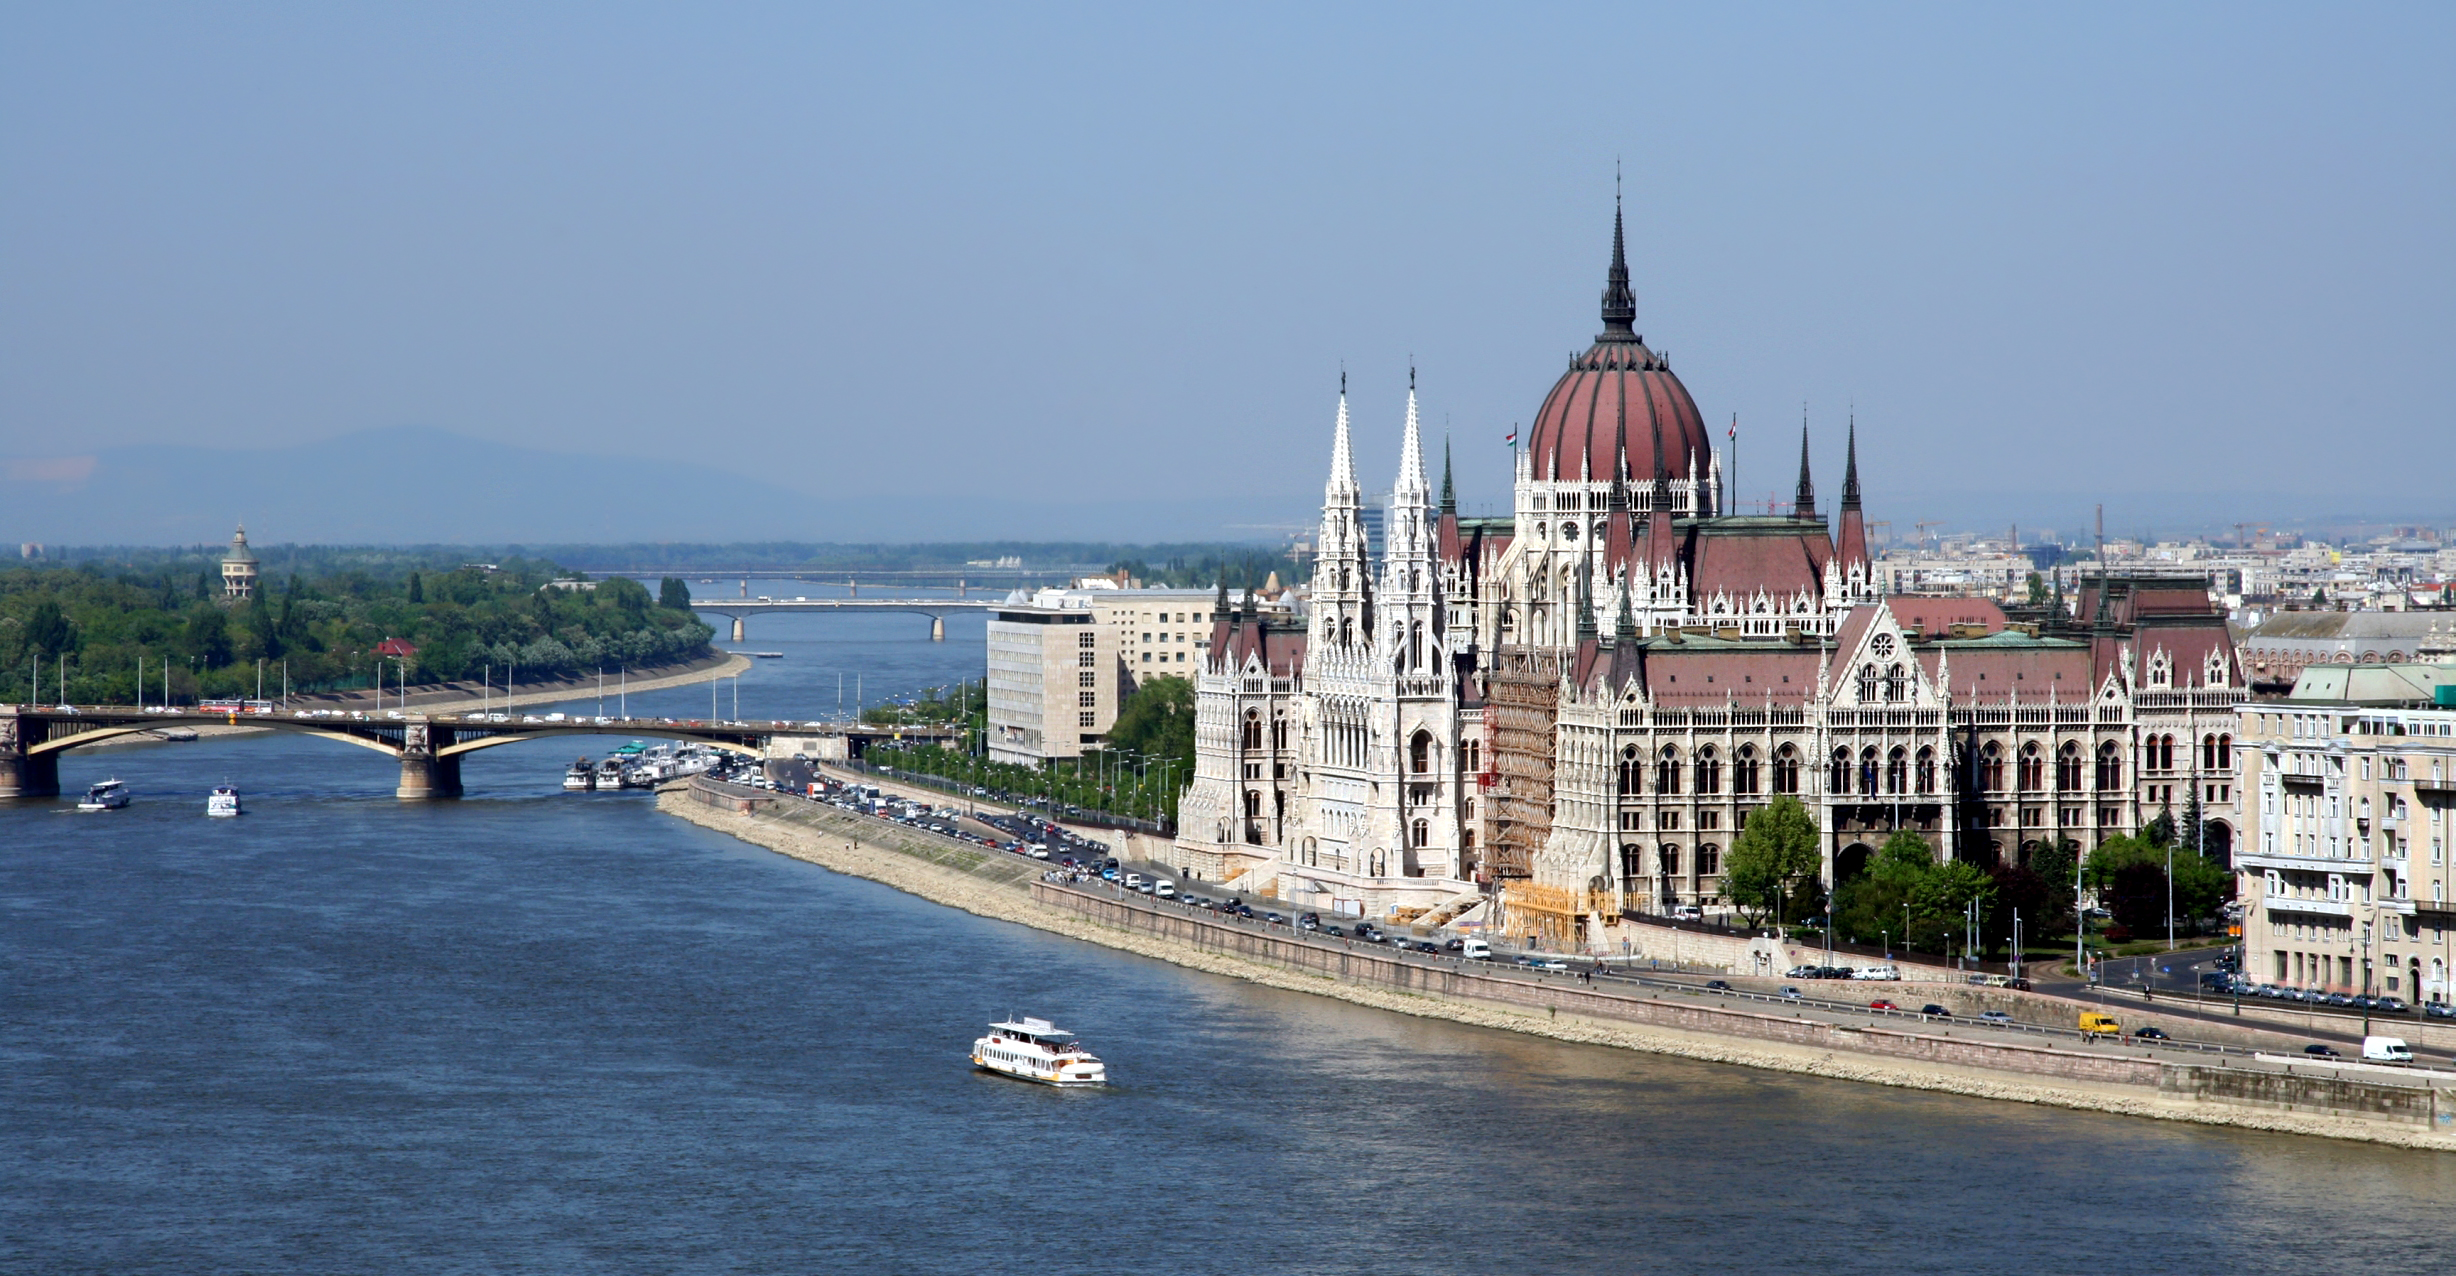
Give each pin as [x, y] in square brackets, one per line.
[997, 886]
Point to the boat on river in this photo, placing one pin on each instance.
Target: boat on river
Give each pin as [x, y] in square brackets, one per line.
[1037, 1050]
[581, 776]
[108, 795]
[223, 801]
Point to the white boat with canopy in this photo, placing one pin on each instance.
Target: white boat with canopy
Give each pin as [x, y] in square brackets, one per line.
[1037, 1050]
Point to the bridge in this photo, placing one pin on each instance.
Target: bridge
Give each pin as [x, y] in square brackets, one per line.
[937, 609]
[430, 746]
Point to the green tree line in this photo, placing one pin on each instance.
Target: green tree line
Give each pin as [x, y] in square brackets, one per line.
[101, 623]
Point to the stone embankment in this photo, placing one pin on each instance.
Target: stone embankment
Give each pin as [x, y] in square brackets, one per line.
[1658, 1021]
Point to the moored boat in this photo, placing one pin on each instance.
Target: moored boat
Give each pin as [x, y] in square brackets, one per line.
[223, 801]
[1031, 1049]
[108, 795]
[581, 776]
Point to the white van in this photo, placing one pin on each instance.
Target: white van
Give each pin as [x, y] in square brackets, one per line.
[1134, 881]
[1164, 888]
[1877, 972]
[2386, 1050]
[1475, 950]
[1688, 913]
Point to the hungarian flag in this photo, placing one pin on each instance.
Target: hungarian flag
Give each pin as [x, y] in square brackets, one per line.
[1511, 438]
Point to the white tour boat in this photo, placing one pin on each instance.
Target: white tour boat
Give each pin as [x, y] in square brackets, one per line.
[1038, 1050]
[224, 800]
[110, 795]
[580, 777]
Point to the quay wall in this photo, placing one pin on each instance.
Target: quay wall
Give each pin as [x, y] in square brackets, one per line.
[1562, 994]
[1005, 888]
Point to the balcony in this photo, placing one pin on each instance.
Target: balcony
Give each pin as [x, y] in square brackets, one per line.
[2308, 907]
[2356, 867]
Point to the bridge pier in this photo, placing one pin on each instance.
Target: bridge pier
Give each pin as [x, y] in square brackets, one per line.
[23, 772]
[29, 776]
[737, 629]
[428, 778]
[938, 629]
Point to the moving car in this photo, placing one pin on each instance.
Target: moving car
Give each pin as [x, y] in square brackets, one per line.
[2318, 1051]
[2150, 1033]
[1934, 1010]
[1882, 1003]
[1995, 1017]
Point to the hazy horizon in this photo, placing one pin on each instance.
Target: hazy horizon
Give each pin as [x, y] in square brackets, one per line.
[849, 274]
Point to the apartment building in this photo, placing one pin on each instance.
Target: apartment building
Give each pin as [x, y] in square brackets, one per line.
[1053, 685]
[2343, 872]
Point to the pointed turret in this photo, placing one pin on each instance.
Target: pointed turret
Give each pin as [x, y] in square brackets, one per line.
[1342, 567]
[1851, 545]
[1803, 501]
[1449, 491]
[1624, 625]
[1619, 304]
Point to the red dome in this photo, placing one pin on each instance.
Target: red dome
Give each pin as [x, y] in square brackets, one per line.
[1584, 414]
[1617, 390]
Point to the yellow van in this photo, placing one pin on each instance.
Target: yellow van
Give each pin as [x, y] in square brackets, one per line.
[2094, 1024]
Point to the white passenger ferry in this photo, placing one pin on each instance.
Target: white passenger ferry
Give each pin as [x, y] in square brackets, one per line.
[223, 801]
[1038, 1050]
[110, 795]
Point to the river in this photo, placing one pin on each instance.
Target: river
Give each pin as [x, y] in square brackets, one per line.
[531, 1031]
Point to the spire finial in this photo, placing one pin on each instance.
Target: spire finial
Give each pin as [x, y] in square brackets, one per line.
[1619, 304]
[1804, 498]
[1850, 468]
[1449, 493]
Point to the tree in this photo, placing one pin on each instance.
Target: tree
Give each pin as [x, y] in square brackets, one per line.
[1776, 855]
[1157, 721]
[208, 637]
[673, 594]
[2038, 590]
[417, 588]
[47, 631]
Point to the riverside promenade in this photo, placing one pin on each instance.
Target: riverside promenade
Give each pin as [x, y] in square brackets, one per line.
[2212, 1086]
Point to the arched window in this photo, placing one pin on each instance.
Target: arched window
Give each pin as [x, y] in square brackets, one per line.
[1744, 770]
[2033, 768]
[1786, 770]
[1279, 732]
[1253, 728]
[2225, 753]
[1667, 771]
[1897, 770]
[1630, 774]
[1632, 861]
[1420, 753]
[1897, 685]
[1709, 771]
[1838, 775]
[2110, 767]
[2068, 768]
[1253, 804]
[1420, 835]
[1709, 860]
[2208, 753]
[1927, 770]
[1867, 683]
[1668, 859]
[1867, 770]
[1991, 768]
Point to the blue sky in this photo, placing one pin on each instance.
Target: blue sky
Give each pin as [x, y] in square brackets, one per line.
[2191, 261]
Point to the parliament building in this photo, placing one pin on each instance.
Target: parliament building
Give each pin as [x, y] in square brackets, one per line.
[1566, 715]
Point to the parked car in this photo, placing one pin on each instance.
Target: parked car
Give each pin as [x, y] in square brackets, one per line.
[2390, 1006]
[2439, 1010]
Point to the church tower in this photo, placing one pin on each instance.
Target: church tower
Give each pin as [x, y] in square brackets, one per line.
[1342, 566]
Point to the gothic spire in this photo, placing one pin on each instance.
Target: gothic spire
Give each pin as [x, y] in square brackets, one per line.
[1449, 493]
[1411, 445]
[1619, 304]
[1804, 500]
[1850, 469]
[1342, 453]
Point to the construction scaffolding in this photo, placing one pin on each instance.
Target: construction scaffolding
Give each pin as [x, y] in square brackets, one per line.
[1522, 698]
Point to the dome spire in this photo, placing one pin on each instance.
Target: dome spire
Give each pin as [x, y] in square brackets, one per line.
[1619, 304]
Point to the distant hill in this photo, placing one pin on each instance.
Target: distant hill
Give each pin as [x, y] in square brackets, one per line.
[415, 485]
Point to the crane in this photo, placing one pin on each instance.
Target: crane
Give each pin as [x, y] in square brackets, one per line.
[1924, 524]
